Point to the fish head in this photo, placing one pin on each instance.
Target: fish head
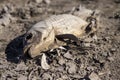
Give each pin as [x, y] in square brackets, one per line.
[31, 41]
[37, 42]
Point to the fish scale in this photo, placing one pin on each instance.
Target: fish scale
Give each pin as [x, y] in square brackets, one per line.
[65, 23]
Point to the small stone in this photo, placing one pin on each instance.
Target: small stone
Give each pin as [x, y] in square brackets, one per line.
[72, 68]
[110, 58]
[113, 49]
[95, 37]
[76, 76]
[47, 1]
[61, 61]
[22, 77]
[5, 20]
[38, 1]
[94, 76]
[34, 78]
[105, 54]
[101, 73]
[46, 76]
[59, 79]
[68, 55]
[88, 40]
[60, 68]
[65, 77]
[87, 44]
[21, 66]
[90, 68]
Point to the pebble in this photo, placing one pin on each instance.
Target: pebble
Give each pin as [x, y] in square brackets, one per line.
[90, 68]
[72, 68]
[22, 77]
[113, 49]
[68, 55]
[34, 78]
[6, 19]
[61, 61]
[87, 44]
[47, 1]
[95, 37]
[38, 1]
[110, 58]
[65, 77]
[46, 76]
[94, 76]
[59, 68]
[88, 40]
[59, 79]
[76, 76]
[21, 66]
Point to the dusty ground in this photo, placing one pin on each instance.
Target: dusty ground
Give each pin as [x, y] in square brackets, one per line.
[97, 59]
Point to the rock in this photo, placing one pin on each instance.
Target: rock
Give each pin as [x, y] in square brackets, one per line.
[113, 49]
[94, 76]
[95, 37]
[65, 77]
[59, 79]
[47, 1]
[72, 68]
[22, 78]
[6, 19]
[38, 1]
[90, 68]
[21, 66]
[68, 55]
[46, 76]
[59, 68]
[34, 78]
[110, 58]
[117, 15]
[87, 44]
[76, 76]
[61, 61]
[88, 40]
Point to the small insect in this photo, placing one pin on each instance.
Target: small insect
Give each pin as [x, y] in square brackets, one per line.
[44, 35]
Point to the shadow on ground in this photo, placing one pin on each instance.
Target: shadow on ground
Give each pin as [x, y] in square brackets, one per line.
[14, 50]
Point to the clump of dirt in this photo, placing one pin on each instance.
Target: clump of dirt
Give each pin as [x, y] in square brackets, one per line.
[97, 58]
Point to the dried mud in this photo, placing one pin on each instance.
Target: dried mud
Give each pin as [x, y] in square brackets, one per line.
[97, 59]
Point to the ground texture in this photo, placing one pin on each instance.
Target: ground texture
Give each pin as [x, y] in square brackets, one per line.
[97, 59]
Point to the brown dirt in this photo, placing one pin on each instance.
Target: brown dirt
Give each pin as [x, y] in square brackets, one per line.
[99, 58]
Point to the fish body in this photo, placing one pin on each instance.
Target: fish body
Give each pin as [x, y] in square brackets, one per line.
[42, 35]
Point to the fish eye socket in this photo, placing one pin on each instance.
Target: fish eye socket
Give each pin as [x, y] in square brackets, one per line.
[29, 36]
[77, 9]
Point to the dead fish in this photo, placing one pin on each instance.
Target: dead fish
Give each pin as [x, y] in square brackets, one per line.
[42, 36]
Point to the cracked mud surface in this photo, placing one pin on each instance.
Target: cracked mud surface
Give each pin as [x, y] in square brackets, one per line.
[98, 59]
